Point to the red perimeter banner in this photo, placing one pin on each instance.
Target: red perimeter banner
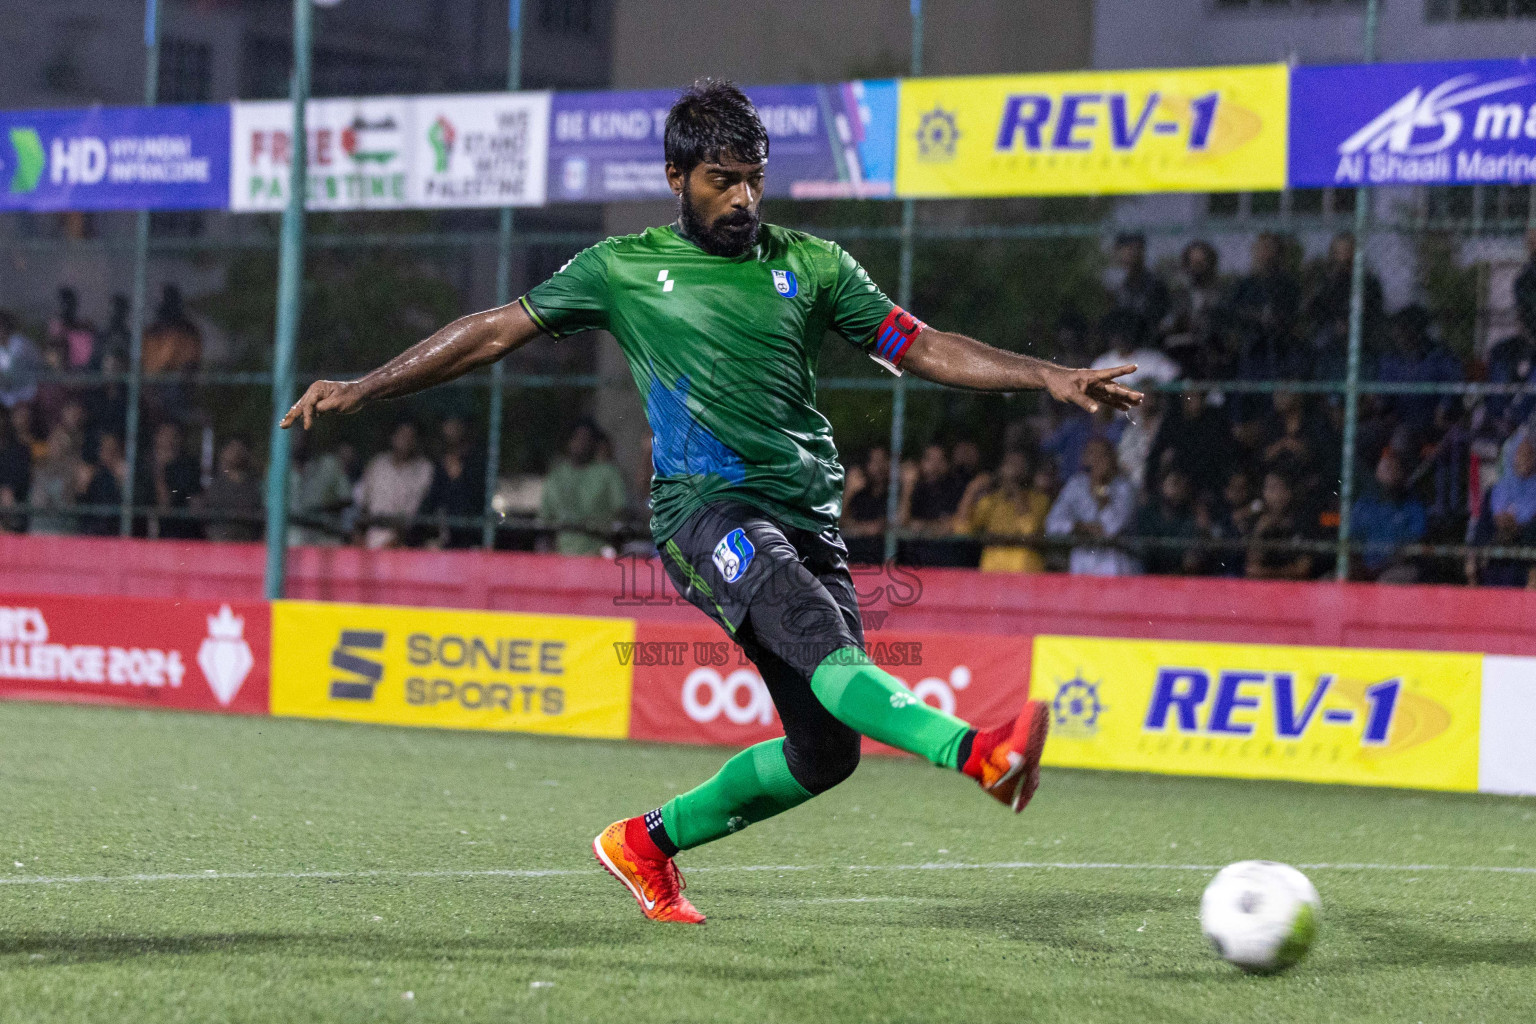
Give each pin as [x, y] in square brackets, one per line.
[193, 655]
[692, 685]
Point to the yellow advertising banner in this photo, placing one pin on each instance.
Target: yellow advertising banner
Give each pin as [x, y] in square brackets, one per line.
[1094, 133]
[451, 669]
[1312, 714]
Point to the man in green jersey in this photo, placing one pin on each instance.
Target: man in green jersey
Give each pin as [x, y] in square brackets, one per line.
[721, 318]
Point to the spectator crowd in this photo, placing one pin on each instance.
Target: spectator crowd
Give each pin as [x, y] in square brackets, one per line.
[1234, 473]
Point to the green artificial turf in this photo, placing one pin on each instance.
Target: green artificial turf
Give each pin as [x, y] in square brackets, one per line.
[851, 908]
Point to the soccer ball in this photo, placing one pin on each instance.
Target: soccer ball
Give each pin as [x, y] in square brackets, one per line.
[1260, 915]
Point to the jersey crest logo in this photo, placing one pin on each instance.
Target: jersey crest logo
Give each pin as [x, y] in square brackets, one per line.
[733, 554]
[785, 283]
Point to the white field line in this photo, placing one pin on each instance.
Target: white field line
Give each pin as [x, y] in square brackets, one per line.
[1022, 865]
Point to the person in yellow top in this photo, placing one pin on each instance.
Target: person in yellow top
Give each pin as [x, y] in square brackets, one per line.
[1005, 505]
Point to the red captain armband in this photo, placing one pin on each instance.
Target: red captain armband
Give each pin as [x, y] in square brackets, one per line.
[893, 338]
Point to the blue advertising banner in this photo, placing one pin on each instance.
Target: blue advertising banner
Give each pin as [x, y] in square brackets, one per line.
[115, 158]
[827, 141]
[1450, 123]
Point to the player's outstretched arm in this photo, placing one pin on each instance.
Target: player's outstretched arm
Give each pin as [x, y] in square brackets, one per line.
[464, 345]
[961, 362]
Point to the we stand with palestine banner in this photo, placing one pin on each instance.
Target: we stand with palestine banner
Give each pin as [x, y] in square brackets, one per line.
[1081, 133]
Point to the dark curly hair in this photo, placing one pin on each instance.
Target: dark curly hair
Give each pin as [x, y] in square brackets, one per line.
[714, 119]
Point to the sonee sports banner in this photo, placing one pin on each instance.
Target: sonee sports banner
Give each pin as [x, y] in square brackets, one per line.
[451, 669]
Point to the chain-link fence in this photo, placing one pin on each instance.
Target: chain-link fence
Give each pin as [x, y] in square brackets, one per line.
[1270, 446]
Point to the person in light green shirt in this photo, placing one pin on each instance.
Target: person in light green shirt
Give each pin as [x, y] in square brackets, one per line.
[582, 496]
[721, 318]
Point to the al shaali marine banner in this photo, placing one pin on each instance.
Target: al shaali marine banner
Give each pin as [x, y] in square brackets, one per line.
[1312, 714]
[1446, 123]
[394, 152]
[451, 669]
[1099, 132]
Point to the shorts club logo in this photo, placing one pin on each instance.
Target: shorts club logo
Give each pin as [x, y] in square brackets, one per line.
[785, 283]
[733, 554]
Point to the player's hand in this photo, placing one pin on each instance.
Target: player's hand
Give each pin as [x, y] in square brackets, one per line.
[1090, 388]
[323, 396]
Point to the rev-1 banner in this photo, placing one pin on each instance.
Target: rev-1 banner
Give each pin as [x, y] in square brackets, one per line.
[1449, 123]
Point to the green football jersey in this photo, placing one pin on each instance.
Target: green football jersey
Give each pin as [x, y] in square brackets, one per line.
[724, 351]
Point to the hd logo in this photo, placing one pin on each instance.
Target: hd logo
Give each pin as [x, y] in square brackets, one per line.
[345, 660]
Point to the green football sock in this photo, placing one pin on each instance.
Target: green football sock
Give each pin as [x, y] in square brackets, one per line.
[753, 785]
[871, 701]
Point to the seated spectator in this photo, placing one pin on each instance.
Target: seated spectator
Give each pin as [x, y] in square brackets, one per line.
[582, 497]
[24, 419]
[1506, 520]
[1388, 514]
[864, 499]
[1414, 357]
[392, 488]
[20, 362]
[15, 477]
[319, 490]
[1005, 504]
[1511, 361]
[234, 501]
[72, 335]
[100, 483]
[1195, 436]
[458, 485]
[1231, 517]
[172, 346]
[1263, 312]
[931, 495]
[1121, 333]
[56, 476]
[1135, 446]
[169, 479]
[1325, 312]
[106, 404]
[965, 463]
[1191, 332]
[1096, 505]
[117, 339]
[1171, 516]
[1135, 290]
[1300, 446]
[1281, 522]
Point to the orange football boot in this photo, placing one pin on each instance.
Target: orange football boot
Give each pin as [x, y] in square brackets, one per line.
[1006, 760]
[655, 882]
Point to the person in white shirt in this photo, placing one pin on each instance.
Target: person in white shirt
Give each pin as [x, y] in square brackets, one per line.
[1119, 331]
[1096, 505]
[19, 362]
[392, 488]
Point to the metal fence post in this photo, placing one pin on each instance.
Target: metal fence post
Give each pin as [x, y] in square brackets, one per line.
[1356, 332]
[140, 286]
[503, 296]
[904, 300]
[290, 295]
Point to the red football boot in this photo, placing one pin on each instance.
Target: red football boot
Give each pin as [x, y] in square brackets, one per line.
[1006, 760]
[626, 850]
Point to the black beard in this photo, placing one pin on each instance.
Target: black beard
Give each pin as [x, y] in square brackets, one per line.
[732, 235]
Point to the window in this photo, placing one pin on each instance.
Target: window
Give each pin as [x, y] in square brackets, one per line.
[1310, 202]
[1480, 10]
[1284, 5]
[186, 71]
[568, 17]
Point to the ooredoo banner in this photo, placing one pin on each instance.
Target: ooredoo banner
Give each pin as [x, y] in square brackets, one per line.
[192, 655]
[115, 158]
[1097, 132]
[692, 685]
[450, 669]
[825, 141]
[1313, 714]
[1446, 123]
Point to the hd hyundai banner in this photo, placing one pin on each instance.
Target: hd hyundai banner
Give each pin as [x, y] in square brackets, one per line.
[1461, 123]
[825, 141]
[1094, 132]
[115, 158]
[189, 655]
